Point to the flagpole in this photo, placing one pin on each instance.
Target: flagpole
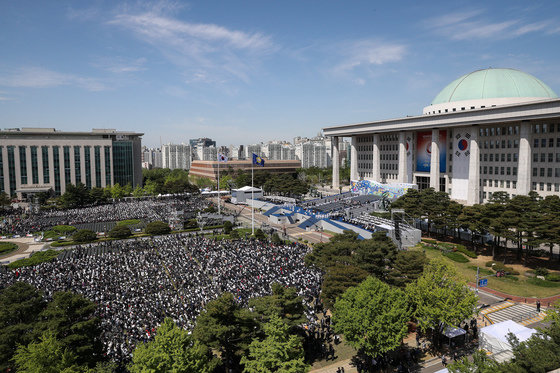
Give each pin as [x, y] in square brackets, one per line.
[252, 200]
[219, 213]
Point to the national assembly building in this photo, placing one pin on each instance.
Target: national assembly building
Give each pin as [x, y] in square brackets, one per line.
[490, 130]
[36, 160]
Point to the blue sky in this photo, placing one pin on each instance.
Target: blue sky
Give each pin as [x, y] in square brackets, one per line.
[248, 71]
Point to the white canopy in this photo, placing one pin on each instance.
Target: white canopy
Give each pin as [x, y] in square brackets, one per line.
[493, 338]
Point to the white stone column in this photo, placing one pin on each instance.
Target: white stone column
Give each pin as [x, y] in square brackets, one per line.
[354, 158]
[82, 165]
[403, 172]
[113, 171]
[40, 165]
[61, 169]
[376, 169]
[335, 163]
[103, 176]
[6, 170]
[51, 167]
[28, 165]
[473, 193]
[92, 165]
[73, 167]
[17, 168]
[434, 161]
[524, 165]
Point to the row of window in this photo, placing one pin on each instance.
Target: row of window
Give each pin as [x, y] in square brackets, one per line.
[509, 157]
[542, 157]
[499, 183]
[541, 172]
[498, 131]
[486, 170]
[545, 128]
[491, 144]
[543, 142]
[541, 186]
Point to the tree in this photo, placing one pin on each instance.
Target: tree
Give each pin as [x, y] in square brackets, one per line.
[138, 191]
[84, 235]
[376, 255]
[226, 327]
[277, 352]
[48, 355]
[157, 228]
[117, 191]
[440, 296]
[275, 238]
[20, 304]
[75, 196]
[172, 350]
[408, 267]
[540, 353]
[259, 234]
[97, 196]
[284, 303]
[337, 280]
[372, 316]
[150, 188]
[71, 317]
[228, 227]
[480, 363]
[120, 231]
[5, 200]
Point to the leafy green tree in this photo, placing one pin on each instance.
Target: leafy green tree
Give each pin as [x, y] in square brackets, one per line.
[19, 305]
[228, 227]
[440, 296]
[284, 303]
[117, 191]
[138, 191]
[49, 355]
[157, 227]
[97, 196]
[372, 316]
[408, 267]
[376, 255]
[277, 352]
[480, 363]
[337, 280]
[84, 235]
[172, 350]
[120, 231]
[75, 196]
[71, 317]
[226, 327]
[259, 234]
[5, 200]
[151, 188]
[540, 353]
[337, 252]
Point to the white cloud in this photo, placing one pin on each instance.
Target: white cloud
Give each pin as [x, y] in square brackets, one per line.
[207, 52]
[367, 53]
[38, 77]
[470, 25]
[119, 65]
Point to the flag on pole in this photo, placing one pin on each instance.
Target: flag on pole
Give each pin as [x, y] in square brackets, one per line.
[222, 158]
[258, 160]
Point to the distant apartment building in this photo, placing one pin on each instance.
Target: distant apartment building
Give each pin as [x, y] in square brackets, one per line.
[314, 152]
[39, 159]
[279, 151]
[176, 156]
[254, 149]
[151, 158]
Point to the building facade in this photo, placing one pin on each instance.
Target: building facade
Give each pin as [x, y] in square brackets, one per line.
[176, 156]
[488, 131]
[39, 159]
[209, 169]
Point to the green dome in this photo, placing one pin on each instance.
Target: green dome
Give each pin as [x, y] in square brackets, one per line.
[494, 83]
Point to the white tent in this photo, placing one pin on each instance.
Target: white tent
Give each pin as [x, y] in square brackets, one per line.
[493, 338]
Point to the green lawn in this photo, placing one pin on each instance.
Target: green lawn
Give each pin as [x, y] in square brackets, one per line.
[521, 287]
[7, 247]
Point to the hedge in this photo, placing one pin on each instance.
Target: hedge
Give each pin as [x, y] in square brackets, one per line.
[6, 247]
[467, 252]
[120, 231]
[543, 283]
[554, 277]
[455, 256]
[129, 222]
[34, 259]
[84, 235]
[63, 229]
[157, 227]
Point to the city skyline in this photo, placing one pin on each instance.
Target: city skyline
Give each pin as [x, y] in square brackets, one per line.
[247, 74]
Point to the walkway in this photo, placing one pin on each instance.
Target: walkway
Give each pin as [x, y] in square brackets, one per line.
[545, 302]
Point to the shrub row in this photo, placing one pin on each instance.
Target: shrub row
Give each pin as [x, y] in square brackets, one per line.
[39, 257]
[554, 277]
[543, 283]
[6, 247]
[455, 256]
[467, 252]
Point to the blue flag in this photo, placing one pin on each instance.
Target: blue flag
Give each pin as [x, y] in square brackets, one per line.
[258, 160]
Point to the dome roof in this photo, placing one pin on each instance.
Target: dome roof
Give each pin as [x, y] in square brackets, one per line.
[494, 83]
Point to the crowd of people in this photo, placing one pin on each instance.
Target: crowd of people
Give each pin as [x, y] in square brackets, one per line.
[146, 209]
[137, 283]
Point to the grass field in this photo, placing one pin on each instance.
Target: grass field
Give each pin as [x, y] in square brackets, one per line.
[521, 287]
